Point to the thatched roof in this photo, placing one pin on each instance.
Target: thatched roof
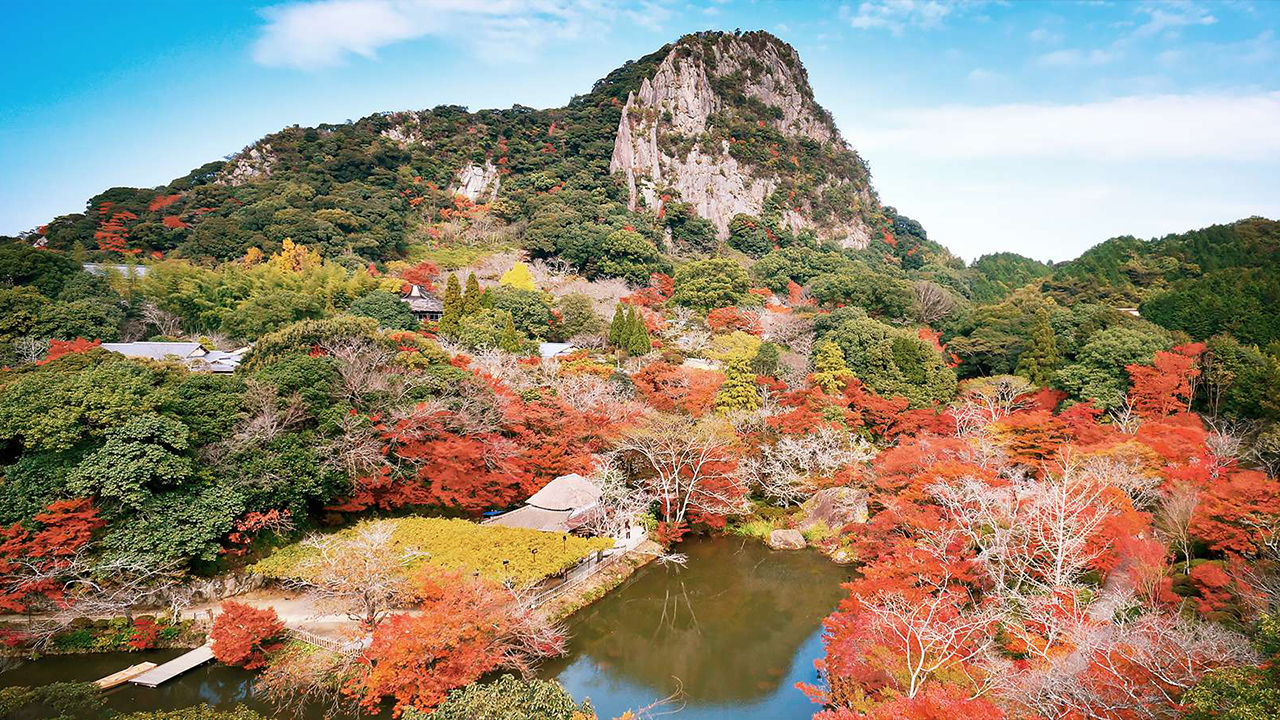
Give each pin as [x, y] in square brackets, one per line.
[573, 493]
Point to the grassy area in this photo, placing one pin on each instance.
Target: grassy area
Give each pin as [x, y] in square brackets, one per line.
[463, 546]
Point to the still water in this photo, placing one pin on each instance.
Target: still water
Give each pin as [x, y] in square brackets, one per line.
[731, 632]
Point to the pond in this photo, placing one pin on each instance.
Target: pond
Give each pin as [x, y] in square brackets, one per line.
[732, 631]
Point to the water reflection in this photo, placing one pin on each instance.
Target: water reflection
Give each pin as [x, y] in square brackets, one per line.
[734, 630]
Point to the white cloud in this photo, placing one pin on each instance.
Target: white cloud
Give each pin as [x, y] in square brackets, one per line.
[1076, 58]
[982, 76]
[1154, 127]
[1169, 18]
[1045, 36]
[897, 15]
[318, 33]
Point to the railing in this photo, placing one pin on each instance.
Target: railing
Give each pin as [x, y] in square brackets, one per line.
[330, 644]
[573, 582]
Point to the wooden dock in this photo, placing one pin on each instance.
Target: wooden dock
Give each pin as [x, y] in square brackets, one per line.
[175, 667]
[119, 678]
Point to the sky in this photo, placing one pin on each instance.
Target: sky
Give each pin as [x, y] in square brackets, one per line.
[1035, 127]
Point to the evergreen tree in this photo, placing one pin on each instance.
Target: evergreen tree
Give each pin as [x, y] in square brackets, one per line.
[738, 392]
[1039, 361]
[471, 298]
[616, 326]
[452, 308]
[638, 342]
[510, 341]
[829, 368]
[765, 361]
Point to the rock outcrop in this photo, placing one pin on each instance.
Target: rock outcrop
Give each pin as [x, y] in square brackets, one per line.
[253, 163]
[835, 507]
[475, 181]
[663, 139]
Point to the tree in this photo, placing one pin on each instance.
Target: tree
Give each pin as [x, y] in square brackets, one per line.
[387, 308]
[738, 392]
[617, 325]
[510, 341]
[471, 302]
[145, 456]
[1039, 361]
[578, 317]
[34, 565]
[518, 277]
[829, 369]
[453, 307]
[932, 302]
[693, 469]
[890, 361]
[635, 334]
[362, 577]
[709, 284]
[244, 636]
[465, 628]
[1166, 387]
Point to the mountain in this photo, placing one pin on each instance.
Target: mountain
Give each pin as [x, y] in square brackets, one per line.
[672, 147]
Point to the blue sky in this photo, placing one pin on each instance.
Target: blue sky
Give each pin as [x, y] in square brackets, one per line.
[1036, 127]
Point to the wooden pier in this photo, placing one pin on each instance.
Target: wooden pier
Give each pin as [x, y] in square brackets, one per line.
[119, 678]
[175, 667]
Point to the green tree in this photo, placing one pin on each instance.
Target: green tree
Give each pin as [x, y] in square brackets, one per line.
[509, 341]
[710, 284]
[738, 391]
[578, 316]
[1039, 361]
[1099, 374]
[146, 455]
[471, 299]
[829, 368]
[387, 308]
[1244, 692]
[637, 335]
[765, 361]
[617, 325]
[889, 360]
[453, 305]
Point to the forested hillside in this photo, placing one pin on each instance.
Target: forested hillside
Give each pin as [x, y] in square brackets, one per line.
[1058, 480]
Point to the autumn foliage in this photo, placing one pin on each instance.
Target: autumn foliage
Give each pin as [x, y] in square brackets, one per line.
[463, 629]
[31, 558]
[243, 635]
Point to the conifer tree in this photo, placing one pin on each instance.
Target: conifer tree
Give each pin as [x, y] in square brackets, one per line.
[638, 342]
[616, 326]
[829, 368]
[509, 341]
[1039, 361]
[471, 298]
[452, 315]
[738, 392]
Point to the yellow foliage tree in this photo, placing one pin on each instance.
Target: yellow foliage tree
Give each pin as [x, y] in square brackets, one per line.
[518, 277]
[294, 257]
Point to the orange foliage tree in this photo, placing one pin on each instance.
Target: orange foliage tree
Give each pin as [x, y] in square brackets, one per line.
[244, 635]
[464, 629]
[32, 560]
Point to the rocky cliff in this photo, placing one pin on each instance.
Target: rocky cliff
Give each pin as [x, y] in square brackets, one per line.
[728, 123]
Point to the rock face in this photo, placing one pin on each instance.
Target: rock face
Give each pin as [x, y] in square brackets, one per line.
[786, 540]
[663, 139]
[252, 163]
[475, 181]
[835, 507]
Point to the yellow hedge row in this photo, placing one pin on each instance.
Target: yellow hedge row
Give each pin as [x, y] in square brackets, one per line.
[464, 546]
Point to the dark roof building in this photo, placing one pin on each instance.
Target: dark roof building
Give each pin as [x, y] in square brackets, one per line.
[422, 304]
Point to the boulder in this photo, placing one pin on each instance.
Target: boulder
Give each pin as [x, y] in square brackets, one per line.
[835, 507]
[786, 540]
